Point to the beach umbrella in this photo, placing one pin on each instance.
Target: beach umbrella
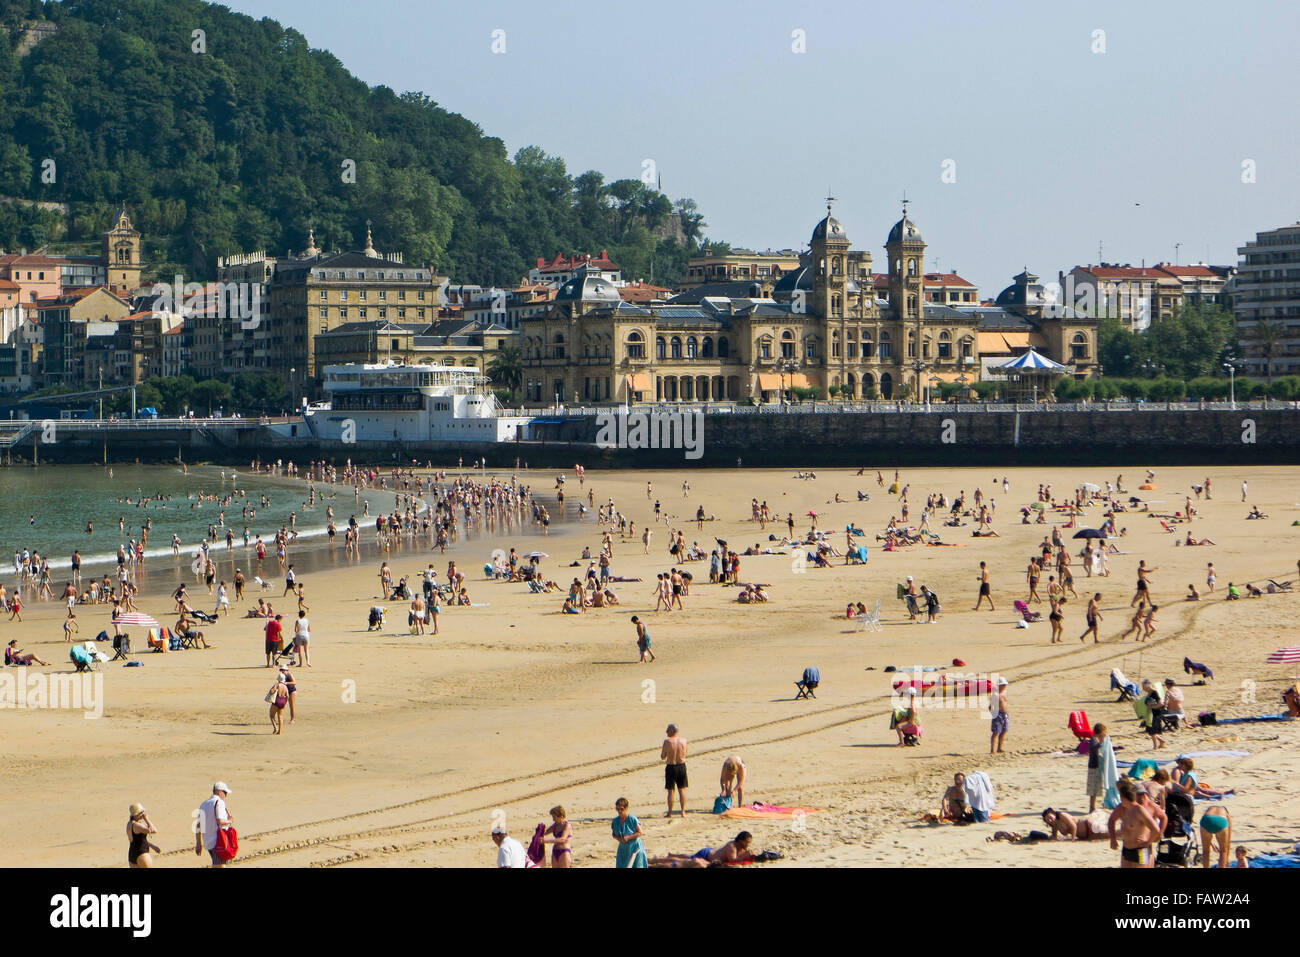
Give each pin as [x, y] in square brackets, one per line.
[1285, 656]
[1089, 533]
[812, 513]
[136, 619]
[1039, 505]
[1091, 487]
[537, 555]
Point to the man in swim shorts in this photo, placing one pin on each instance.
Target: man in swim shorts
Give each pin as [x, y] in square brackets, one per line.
[1133, 823]
[673, 751]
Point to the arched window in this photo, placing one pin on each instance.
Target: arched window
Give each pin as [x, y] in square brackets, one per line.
[886, 347]
[911, 267]
[911, 345]
[787, 344]
[692, 348]
[675, 347]
[1079, 346]
[868, 349]
[945, 345]
[911, 305]
[967, 347]
[660, 347]
[835, 345]
[765, 347]
[724, 350]
[706, 348]
[925, 348]
[835, 265]
[635, 345]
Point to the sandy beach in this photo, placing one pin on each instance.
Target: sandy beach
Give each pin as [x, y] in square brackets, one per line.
[407, 749]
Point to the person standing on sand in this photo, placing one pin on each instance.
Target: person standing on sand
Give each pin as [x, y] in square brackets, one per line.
[1001, 717]
[642, 640]
[984, 589]
[138, 831]
[1093, 617]
[213, 816]
[673, 751]
[1137, 828]
[279, 698]
[510, 853]
[627, 831]
[302, 640]
[1143, 583]
[274, 640]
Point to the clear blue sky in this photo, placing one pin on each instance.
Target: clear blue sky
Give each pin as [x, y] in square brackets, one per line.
[1056, 148]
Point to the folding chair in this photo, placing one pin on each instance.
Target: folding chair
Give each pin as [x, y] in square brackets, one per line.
[871, 620]
[1022, 609]
[1280, 586]
[121, 647]
[808, 683]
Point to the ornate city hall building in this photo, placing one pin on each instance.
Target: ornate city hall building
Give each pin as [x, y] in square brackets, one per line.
[821, 328]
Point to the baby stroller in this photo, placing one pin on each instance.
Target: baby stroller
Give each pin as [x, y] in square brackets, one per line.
[1180, 846]
[376, 619]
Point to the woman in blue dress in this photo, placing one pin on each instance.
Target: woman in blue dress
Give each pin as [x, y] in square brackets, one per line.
[627, 831]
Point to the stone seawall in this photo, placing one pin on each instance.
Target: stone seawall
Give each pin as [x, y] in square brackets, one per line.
[789, 439]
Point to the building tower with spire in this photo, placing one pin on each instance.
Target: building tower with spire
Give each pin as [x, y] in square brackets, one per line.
[122, 254]
[370, 244]
[906, 252]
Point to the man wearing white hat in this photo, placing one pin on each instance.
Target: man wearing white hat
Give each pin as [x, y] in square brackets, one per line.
[510, 853]
[213, 816]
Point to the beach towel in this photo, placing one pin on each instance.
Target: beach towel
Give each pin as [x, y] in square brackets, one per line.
[1195, 667]
[768, 812]
[1109, 773]
[979, 791]
[1282, 716]
[537, 846]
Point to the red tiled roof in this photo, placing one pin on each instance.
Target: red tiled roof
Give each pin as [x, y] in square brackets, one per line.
[946, 279]
[9, 285]
[1126, 272]
[1198, 272]
[561, 263]
[643, 292]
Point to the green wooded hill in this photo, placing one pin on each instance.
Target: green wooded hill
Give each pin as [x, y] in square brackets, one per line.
[242, 147]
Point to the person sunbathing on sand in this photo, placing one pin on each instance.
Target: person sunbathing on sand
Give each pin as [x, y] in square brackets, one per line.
[1189, 541]
[735, 851]
[1061, 824]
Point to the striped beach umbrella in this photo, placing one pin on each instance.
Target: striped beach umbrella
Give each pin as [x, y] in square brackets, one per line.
[1284, 656]
[135, 619]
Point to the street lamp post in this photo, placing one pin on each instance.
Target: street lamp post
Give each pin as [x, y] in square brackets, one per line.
[1231, 367]
[293, 390]
[916, 368]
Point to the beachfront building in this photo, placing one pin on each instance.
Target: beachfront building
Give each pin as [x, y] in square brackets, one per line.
[826, 324]
[318, 292]
[447, 342]
[1266, 303]
[1135, 295]
[740, 265]
[561, 269]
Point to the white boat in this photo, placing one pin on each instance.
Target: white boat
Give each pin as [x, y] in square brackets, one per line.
[393, 402]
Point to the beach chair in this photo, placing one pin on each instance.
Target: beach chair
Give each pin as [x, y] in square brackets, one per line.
[1180, 846]
[1279, 586]
[871, 620]
[121, 647]
[261, 582]
[808, 683]
[1079, 725]
[1022, 609]
[1128, 690]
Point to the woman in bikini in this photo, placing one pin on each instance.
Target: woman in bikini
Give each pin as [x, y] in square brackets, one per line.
[1056, 618]
[1067, 826]
[561, 834]
[1135, 626]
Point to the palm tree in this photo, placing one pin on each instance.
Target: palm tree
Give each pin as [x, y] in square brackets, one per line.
[1269, 335]
[507, 369]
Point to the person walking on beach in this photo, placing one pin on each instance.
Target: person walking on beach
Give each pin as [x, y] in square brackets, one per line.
[1093, 617]
[290, 582]
[213, 817]
[1149, 623]
[302, 640]
[1032, 574]
[642, 640]
[673, 751]
[278, 698]
[1135, 626]
[1001, 718]
[1056, 618]
[1244, 489]
[984, 589]
[1143, 582]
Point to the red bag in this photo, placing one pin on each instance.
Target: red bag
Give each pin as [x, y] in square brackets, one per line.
[227, 844]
